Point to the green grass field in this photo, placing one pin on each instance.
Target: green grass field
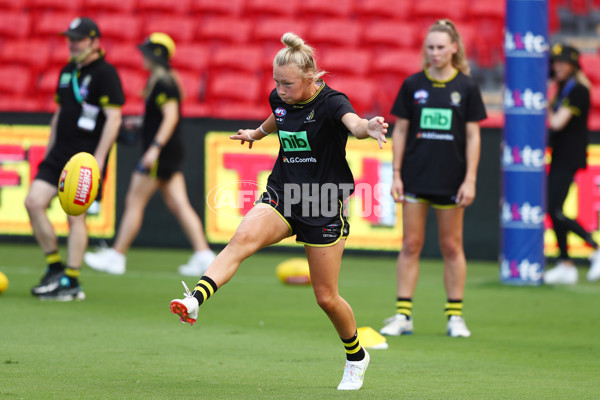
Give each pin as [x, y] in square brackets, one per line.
[259, 339]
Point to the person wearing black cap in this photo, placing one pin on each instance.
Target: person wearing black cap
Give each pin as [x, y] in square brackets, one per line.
[567, 119]
[159, 167]
[89, 98]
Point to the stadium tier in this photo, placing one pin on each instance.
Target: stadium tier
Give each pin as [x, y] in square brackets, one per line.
[225, 49]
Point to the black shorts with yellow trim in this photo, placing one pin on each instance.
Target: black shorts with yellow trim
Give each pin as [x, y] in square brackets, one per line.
[318, 231]
[438, 202]
[164, 168]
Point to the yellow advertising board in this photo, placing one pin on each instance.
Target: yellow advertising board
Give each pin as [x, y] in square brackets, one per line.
[22, 148]
[583, 205]
[235, 176]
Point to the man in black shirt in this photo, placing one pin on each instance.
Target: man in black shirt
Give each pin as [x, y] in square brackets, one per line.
[89, 98]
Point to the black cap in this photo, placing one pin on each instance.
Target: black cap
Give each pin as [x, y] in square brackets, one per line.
[159, 47]
[81, 28]
[563, 52]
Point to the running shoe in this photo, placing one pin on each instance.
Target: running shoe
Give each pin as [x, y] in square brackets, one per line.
[106, 260]
[457, 327]
[197, 264]
[594, 271]
[186, 308]
[65, 291]
[396, 325]
[354, 373]
[562, 274]
[48, 283]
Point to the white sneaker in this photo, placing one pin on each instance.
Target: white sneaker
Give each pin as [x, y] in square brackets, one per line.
[106, 260]
[456, 327]
[354, 373]
[186, 308]
[594, 271]
[397, 325]
[198, 263]
[562, 274]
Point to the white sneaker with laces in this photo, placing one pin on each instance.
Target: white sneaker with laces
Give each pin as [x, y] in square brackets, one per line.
[106, 260]
[197, 264]
[354, 373]
[397, 325]
[457, 327]
[562, 274]
[594, 271]
[186, 308]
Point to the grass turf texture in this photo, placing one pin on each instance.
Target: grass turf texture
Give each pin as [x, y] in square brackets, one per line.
[259, 339]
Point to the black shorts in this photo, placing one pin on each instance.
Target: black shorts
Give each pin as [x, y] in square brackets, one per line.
[168, 163]
[317, 231]
[439, 202]
[51, 167]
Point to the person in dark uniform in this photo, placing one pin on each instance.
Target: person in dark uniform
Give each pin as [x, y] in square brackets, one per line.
[306, 192]
[436, 146]
[89, 97]
[567, 119]
[159, 168]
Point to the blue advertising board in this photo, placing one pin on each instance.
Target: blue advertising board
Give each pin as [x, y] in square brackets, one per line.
[524, 140]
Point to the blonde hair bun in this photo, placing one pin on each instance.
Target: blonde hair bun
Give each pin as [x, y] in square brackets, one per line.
[292, 41]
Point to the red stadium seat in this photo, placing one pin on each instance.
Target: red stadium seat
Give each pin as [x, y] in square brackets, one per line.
[119, 27]
[190, 109]
[595, 100]
[240, 110]
[100, 6]
[15, 80]
[392, 34]
[238, 58]
[263, 8]
[192, 85]
[125, 55]
[334, 32]
[215, 7]
[330, 8]
[55, 5]
[180, 28]
[34, 53]
[384, 10]
[270, 30]
[590, 64]
[164, 7]
[225, 29]
[401, 63]
[133, 82]
[14, 24]
[487, 9]
[233, 86]
[47, 83]
[429, 10]
[191, 57]
[360, 91]
[15, 5]
[59, 56]
[346, 61]
[19, 104]
[50, 24]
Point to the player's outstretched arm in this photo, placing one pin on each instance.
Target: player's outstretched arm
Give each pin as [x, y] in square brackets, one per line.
[362, 128]
[252, 135]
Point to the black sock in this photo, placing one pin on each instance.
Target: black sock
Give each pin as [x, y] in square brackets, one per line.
[354, 351]
[54, 263]
[205, 288]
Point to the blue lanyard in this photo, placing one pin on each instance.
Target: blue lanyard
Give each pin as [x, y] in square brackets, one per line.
[75, 85]
[565, 91]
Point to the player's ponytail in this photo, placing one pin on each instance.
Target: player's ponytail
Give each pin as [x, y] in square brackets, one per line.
[299, 53]
[459, 59]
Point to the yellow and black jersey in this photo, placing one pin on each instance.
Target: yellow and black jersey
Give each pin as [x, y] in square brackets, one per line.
[312, 140]
[434, 161]
[569, 145]
[165, 90]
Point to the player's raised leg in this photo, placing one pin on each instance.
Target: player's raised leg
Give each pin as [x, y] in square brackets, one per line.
[261, 227]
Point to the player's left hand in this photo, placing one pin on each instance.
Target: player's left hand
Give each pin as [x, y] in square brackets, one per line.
[377, 128]
[150, 157]
[245, 135]
[466, 194]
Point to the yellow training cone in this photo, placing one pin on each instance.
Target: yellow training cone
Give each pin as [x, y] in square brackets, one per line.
[371, 339]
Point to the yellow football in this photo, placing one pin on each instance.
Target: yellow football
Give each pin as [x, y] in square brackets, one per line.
[3, 282]
[78, 183]
[294, 271]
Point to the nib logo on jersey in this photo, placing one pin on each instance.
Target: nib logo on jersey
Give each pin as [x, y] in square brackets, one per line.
[522, 215]
[524, 101]
[525, 159]
[523, 270]
[528, 44]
